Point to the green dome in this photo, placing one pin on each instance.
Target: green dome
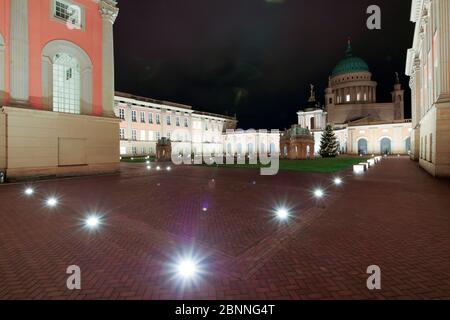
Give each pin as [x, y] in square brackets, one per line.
[350, 64]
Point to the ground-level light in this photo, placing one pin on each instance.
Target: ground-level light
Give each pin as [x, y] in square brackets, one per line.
[52, 202]
[282, 214]
[337, 181]
[318, 193]
[359, 169]
[92, 222]
[29, 191]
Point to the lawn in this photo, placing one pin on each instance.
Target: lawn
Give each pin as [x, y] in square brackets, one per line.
[317, 165]
[136, 159]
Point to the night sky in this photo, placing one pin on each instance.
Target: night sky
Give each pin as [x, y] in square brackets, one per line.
[253, 58]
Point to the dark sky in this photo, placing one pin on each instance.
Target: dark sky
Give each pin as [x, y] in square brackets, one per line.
[253, 58]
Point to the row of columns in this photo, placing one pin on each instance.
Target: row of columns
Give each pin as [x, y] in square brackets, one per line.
[367, 94]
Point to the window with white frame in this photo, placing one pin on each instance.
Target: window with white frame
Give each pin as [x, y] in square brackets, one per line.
[133, 116]
[66, 84]
[133, 135]
[142, 117]
[150, 118]
[143, 135]
[122, 134]
[186, 122]
[122, 114]
[151, 136]
[158, 118]
[68, 12]
[134, 150]
[158, 136]
[178, 122]
[169, 121]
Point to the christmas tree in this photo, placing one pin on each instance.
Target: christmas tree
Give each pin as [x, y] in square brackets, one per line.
[328, 144]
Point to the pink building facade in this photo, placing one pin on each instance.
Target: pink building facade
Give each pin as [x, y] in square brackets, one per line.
[57, 87]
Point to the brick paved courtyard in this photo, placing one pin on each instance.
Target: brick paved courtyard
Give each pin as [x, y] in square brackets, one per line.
[395, 216]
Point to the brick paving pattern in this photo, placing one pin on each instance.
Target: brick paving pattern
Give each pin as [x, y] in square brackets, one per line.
[394, 216]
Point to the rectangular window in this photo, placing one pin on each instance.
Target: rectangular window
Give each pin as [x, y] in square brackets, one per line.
[150, 118]
[150, 136]
[178, 122]
[123, 150]
[133, 135]
[143, 150]
[66, 84]
[169, 121]
[186, 123]
[142, 117]
[68, 12]
[143, 135]
[168, 135]
[133, 116]
[158, 118]
[431, 147]
[122, 114]
[206, 127]
[425, 148]
[122, 134]
[134, 150]
[158, 136]
[347, 98]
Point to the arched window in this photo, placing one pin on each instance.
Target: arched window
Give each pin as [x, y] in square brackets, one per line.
[362, 146]
[250, 148]
[312, 123]
[272, 148]
[66, 78]
[239, 149]
[385, 146]
[408, 145]
[262, 148]
[66, 84]
[229, 149]
[2, 69]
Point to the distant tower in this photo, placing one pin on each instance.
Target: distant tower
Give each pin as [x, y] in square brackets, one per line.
[329, 96]
[312, 116]
[398, 96]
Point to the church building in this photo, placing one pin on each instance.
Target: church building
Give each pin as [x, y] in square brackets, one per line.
[362, 125]
[57, 88]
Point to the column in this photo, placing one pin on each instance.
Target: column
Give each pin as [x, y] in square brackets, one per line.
[109, 13]
[443, 7]
[19, 74]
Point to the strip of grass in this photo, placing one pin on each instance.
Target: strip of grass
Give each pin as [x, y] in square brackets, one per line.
[136, 159]
[330, 165]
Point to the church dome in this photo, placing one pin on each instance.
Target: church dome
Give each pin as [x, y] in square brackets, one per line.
[350, 63]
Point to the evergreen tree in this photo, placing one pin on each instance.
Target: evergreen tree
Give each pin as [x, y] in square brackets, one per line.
[329, 144]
